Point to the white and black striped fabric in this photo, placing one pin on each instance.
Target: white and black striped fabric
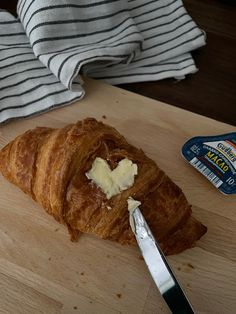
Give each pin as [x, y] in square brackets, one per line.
[43, 52]
[169, 35]
[65, 35]
[27, 87]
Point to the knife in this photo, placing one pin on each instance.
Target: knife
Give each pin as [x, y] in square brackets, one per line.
[158, 266]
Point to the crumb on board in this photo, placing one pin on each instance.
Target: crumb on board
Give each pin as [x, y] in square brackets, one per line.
[49, 258]
[188, 284]
[82, 273]
[179, 268]
[75, 307]
[76, 285]
[190, 265]
[104, 116]
[90, 301]
[119, 295]
[56, 229]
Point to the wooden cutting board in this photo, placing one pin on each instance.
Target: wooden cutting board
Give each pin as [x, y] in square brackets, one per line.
[41, 271]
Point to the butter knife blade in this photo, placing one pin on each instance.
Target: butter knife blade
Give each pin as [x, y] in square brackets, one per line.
[158, 266]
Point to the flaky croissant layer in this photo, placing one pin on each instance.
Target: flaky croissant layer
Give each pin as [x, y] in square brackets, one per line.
[50, 166]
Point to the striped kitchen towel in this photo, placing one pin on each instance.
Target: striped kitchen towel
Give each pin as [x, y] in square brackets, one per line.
[44, 51]
[27, 87]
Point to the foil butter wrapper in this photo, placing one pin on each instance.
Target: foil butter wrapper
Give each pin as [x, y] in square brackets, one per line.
[215, 158]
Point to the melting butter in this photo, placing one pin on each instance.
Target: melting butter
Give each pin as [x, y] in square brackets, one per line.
[112, 182]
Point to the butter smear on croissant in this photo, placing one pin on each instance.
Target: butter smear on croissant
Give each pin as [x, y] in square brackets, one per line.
[112, 182]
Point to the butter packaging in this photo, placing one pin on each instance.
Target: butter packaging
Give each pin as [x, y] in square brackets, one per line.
[215, 158]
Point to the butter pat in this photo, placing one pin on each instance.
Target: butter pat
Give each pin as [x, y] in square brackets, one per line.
[112, 182]
[132, 205]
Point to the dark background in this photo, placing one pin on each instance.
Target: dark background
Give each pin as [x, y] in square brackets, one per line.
[212, 90]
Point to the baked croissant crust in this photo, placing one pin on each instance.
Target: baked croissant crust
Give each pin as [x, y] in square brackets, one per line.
[50, 165]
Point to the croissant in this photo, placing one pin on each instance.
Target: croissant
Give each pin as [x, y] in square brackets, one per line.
[50, 166]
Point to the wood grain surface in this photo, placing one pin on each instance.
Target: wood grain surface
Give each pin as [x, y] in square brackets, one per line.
[41, 271]
[210, 92]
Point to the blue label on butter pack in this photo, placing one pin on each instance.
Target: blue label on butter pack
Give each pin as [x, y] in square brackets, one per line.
[215, 158]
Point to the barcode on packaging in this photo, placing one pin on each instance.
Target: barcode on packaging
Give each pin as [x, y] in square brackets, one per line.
[206, 172]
